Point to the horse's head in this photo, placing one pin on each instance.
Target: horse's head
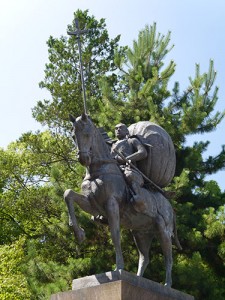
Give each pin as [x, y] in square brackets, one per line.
[83, 130]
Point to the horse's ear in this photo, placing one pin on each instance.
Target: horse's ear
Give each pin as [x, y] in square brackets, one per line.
[72, 119]
[84, 117]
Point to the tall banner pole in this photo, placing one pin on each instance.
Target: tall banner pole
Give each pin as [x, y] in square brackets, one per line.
[78, 34]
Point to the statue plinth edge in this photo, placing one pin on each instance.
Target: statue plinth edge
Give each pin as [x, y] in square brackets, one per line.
[119, 285]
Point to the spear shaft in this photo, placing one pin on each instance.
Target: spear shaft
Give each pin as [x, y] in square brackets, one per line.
[78, 34]
[142, 174]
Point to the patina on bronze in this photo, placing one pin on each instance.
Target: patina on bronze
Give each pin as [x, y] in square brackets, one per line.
[105, 192]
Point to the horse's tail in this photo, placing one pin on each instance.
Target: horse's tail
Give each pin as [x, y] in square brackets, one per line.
[175, 236]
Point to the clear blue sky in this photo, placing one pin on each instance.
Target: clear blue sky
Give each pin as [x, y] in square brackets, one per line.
[197, 28]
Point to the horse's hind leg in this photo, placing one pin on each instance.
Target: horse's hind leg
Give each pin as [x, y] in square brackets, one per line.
[70, 197]
[143, 242]
[166, 245]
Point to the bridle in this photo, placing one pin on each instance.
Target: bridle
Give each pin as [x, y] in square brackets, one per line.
[83, 152]
[93, 159]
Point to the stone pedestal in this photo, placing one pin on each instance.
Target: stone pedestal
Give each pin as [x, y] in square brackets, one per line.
[119, 285]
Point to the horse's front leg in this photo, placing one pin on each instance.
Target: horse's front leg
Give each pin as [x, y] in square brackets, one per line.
[70, 197]
[113, 215]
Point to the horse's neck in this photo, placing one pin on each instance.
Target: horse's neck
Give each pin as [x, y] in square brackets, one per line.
[100, 151]
[102, 162]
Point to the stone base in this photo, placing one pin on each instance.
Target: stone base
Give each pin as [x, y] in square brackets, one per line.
[119, 285]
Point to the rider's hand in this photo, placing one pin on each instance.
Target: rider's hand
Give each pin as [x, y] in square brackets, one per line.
[119, 159]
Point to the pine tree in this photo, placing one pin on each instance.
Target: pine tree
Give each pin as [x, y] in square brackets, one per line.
[181, 114]
[62, 75]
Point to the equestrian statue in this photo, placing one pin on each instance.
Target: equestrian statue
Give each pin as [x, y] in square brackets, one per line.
[124, 185]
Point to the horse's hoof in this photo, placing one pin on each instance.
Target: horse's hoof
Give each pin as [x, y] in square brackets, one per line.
[100, 219]
[168, 285]
[119, 268]
[80, 235]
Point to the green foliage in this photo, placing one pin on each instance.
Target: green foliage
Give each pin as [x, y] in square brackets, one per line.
[144, 79]
[13, 282]
[123, 84]
[195, 277]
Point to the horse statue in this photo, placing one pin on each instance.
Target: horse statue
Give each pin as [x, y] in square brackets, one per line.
[106, 193]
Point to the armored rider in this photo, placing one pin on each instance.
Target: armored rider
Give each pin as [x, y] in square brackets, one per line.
[133, 150]
[130, 147]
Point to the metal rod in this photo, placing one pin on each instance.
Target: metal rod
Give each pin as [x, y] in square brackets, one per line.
[78, 34]
[81, 67]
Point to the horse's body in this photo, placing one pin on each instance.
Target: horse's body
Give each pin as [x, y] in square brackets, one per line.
[105, 193]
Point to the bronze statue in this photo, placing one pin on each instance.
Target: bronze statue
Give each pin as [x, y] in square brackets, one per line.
[105, 192]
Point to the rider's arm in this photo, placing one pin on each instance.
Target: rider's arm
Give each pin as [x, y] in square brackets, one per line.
[139, 151]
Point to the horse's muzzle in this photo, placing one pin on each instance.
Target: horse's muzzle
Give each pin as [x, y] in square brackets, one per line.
[84, 158]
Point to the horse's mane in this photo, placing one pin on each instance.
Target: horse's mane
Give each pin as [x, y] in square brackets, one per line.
[100, 140]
